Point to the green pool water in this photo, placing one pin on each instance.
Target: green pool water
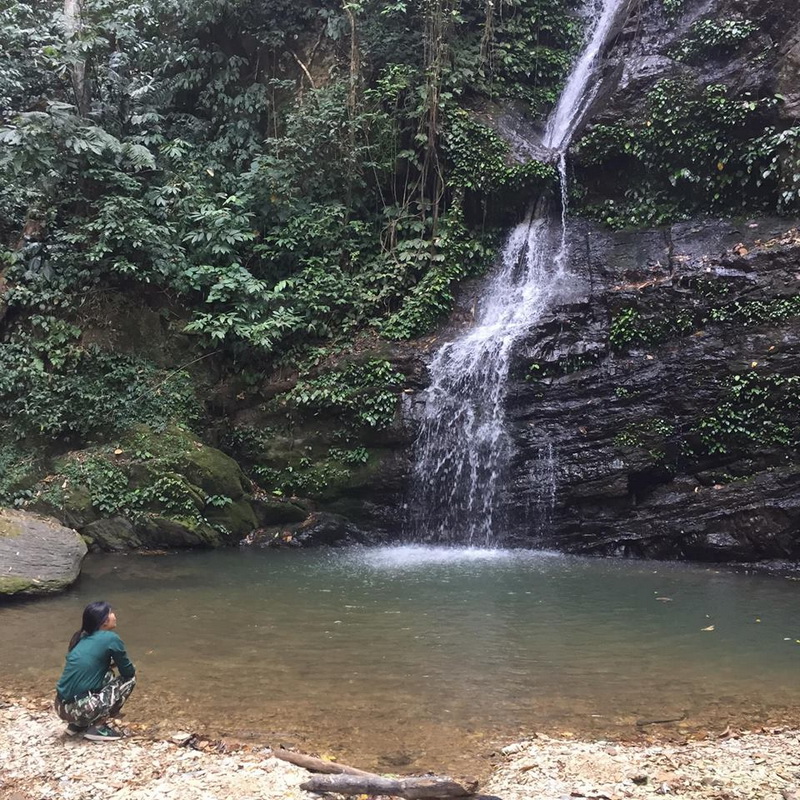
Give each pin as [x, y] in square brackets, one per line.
[411, 658]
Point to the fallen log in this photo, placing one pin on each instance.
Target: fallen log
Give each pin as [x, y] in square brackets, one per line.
[317, 764]
[409, 788]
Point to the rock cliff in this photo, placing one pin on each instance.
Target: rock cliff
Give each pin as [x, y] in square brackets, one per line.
[654, 410]
[664, 384]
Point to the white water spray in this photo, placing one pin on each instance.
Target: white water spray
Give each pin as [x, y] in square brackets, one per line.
[464, 449]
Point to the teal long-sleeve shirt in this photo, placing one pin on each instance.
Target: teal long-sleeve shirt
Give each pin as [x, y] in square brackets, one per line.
[88, 662]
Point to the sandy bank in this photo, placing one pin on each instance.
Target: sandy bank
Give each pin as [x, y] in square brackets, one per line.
[38, 761]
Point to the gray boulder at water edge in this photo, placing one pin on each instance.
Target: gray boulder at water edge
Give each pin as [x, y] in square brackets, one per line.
[38, 555]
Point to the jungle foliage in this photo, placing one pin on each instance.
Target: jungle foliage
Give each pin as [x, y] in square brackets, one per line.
[696, 150]
[280, 178]
[287, 175]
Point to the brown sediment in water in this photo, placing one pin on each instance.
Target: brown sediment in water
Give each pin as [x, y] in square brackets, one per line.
[38, 760]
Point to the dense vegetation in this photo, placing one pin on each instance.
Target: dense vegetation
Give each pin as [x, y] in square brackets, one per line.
[699, 142]
[229, 193]
[263, 182]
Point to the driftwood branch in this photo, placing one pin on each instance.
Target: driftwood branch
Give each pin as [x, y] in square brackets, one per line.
[409, 788]
[346, 780]
[317, 764]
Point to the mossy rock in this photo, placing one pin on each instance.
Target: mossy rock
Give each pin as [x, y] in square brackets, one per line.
[181, 490]
[274, 511]
[179, 451]
[237, 518]
[166, 532]
[9, 527]
[214, 472]
[72, 508]
[343, 481]
[12, 586]
[205, 467]
[150, 490]
[112, 534]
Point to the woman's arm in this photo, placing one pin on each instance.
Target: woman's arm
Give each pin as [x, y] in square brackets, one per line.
[120, 657]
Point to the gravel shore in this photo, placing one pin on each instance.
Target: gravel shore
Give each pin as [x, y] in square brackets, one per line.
[744, 766]
[38, 762]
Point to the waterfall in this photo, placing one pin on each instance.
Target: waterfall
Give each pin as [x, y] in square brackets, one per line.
[578, 93]
[463, 450]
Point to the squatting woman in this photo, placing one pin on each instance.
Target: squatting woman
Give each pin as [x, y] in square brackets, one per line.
[88, 693]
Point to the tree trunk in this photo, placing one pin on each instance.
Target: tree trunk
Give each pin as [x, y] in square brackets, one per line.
[73, 22]
[355, 62]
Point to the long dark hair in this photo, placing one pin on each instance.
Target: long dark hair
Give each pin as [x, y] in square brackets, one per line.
[94, 615]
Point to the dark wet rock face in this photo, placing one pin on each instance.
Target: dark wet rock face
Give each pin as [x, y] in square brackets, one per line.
[319, 529]
[647, 51]
[654, 410]
[788, 68]
[663, 386]
[37, 554]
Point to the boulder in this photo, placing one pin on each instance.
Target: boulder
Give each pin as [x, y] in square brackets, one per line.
[237, 518]
[38, 555]
[319, 529]
[111, 534]
[213, 471]
[277, 511]
[158, 532]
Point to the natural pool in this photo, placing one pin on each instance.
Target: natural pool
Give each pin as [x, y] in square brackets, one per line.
[410, 658]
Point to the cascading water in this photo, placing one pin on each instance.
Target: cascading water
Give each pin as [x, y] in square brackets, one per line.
[464, 449]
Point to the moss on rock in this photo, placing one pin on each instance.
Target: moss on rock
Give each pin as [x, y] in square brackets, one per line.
[149, 489]
[9, 528]
[14, 585]
[114, 534]
[71, 505]
[237, 518]
[213, 471]
[274, 511]
[157, 532]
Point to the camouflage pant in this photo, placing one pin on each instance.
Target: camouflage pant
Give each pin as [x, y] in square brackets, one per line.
[99, 705]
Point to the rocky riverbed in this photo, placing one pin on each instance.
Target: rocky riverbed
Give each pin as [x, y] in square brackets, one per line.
[37, 761]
